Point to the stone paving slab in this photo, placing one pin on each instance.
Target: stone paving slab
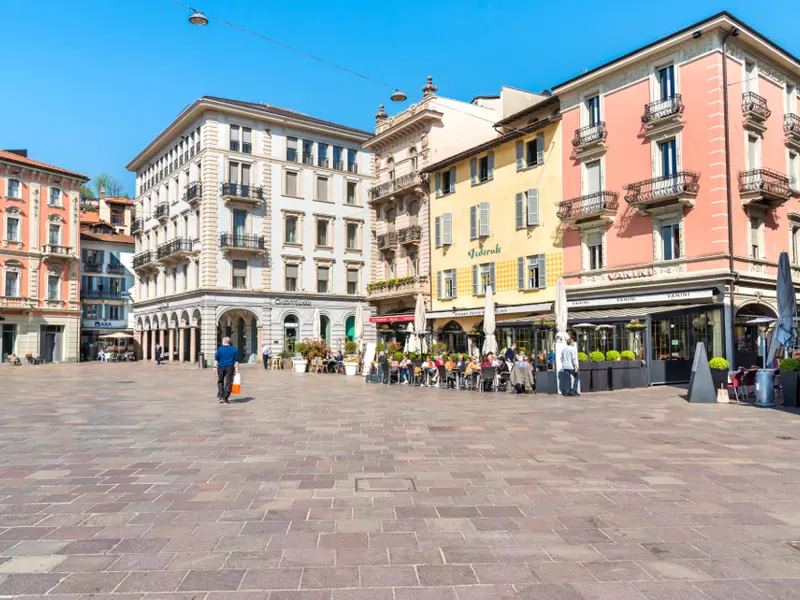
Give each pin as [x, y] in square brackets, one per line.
[129, 482]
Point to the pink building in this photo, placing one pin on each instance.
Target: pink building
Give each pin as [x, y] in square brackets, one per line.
[662, 223]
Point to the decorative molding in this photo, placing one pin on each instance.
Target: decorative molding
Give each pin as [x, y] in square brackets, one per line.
[765, 68]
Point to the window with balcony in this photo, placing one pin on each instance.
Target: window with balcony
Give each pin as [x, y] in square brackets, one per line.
[666, 82]
[753, 152]
[413, 159]
[668, 158]
[756, 227]
[53, 287]
[338, 162]
[55, 197]
[413, 263]
[308, 152]
[593, 110]
[390, 216]
[290, 233]
[12, 284]
[352, 193]
[793, 170]
[54, 234]
[323, 240]
[670, 240]
[321, 189]
[14, 189]
[593, 177]
[388, 259]
[595, 252]
[239, 275]
[291, 149]
[750, 76]
[292, 276]
[322, 154]
[413, 212]
[239, 173]
[12, 229]
[291, 184]
[239, 226]
[352, 236]
[323, 277]
[352, 281]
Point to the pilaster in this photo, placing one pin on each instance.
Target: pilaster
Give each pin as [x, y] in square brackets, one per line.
[266, 182]
[209, 205]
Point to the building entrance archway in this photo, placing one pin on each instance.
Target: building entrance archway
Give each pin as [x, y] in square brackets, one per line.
[241, 326]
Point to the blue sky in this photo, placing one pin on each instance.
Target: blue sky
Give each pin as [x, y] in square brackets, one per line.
[89, 82]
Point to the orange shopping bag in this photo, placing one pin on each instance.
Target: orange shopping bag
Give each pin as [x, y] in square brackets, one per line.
[236, 388]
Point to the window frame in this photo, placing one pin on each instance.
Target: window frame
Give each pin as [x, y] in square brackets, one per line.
[347, 184]
[297, 280]
[50, 278]
[586, 249]
[328, 221]
[298, 218]
[328, 267]
[54, 197]
[358, 225]
[18, 281]
[246, 276]
[298, 183]
[18, 196]
[327, 187]
[348, 269]
[18, 238]
[449, 276]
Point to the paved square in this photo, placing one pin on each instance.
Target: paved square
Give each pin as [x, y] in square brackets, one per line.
[129, 481]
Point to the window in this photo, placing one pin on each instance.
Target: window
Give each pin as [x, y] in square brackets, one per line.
[55, 197]
[234, 144]
[530, 153]
[482, 278]
[753, 153]
[322, 233]
[593, 109]
[413, 263]
[239, 224]
[12, 284]
[352, 163]
[117, 215]
[292, 275]
[352, 236]
[482, 169]
[54, 235]
[291, 149]
[670, 241]
[449, 280]
[594, 247]
[53, 282]
[352, 281]
[12, 229]
[291, 230]
[389, 264]
[479, 221]
[338, 163]
[532, 272]
[247, 140]
[666, 82]
[90, 311]
[791, 99]
[794, 176]
[755, 238]
[352, 192]
[527, 209]
[390, 218]
[322, 189]
[291, 184]
[446, 182]
[667, 152]
[116, 312]
[390, 167]
[413, 212]
[323, 275]
[750, 76]
[308, 152]
[796, 244]
[413, 159]
[239, 274]
[14, 189]
[322, 154]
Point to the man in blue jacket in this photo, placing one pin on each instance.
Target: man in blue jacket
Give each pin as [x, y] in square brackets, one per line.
[226, 364]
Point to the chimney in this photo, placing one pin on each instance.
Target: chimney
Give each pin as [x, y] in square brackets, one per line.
[22, 153]
[102, 192]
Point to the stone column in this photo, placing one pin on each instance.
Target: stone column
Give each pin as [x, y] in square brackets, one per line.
[182, 344]
[171, 344]
[193, 344]
[161, 340]
[152, 344]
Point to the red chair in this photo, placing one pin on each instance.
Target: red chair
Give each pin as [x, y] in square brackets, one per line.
[736, 383]
[749, 381]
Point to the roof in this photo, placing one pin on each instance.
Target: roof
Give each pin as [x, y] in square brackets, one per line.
[29, 162]
[125, 201]
[526, 111]
[90, 216]
[493, 143]
[116, 238]
[720, 15]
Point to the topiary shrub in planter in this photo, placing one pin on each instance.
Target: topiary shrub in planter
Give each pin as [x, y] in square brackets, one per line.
[627, 355]
[585, 372]
[350, 348]
[719, 372]
[616, 370]
[789, 368]
[599, 371]
[632, 370]
[398, 356]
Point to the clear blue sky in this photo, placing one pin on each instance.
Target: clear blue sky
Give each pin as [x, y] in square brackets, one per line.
[87, 83]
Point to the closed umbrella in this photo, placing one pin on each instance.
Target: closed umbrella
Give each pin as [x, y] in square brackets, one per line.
[421, 323]
[359, 332]
[316, 324]
[489, 342]
[561, 311]
[116, 336]
[411, 339]
[785, 332]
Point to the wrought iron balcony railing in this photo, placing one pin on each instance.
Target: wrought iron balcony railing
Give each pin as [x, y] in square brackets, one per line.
[662, 109]
[591, 134]
[755, 106]
[338, 165]
[590, 205]
[663, 188]
[115, 269]
[136, 225]
[239, 190]
[397, 184]
[791, 124]
[387, 240]
[308, 159]
[766, 182]
[175, 246]
[352, 168]
[244, 241]
[142, 259]
[104, 294]
[194, 191]
[161, 211]
[90, 267]
[409, 234]
[322, 162]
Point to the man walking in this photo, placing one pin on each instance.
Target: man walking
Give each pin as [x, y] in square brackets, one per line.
[159, 354]
[265, 355]
[569, 363]
[511, 353]
[226, 363]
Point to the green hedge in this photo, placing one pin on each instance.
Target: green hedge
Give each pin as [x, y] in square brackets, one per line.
[627, 355]
[597, 356]
[790, 364]
[612, 355]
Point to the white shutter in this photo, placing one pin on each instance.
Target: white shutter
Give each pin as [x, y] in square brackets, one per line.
[437, 231]
[520, 211]
[540, 149]
[520, 162]
[473, 171]
[484, 219]
[438, 179]
[491, 276]
[447, 229]
[593, 183]
[473, 222]
[533, 207]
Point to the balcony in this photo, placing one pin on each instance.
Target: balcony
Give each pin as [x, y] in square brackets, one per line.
[590, 139]
[397, 288]
[599, 206]
[241, 193]
[55, 252]
[142, 259]
[136, 226]
[410, 235]
[16, 302]
[387, 241]
[662, 191]
[242, 242]
[662, 114]
[175, 248]
[352, 168]
[416, 181]
[322, 162]
[338, 165]
[104, 294]
[161, 211]
[791, 131]
[194, 192]
[308, 159]
[115, 269]
[92, 268]
[764, 188]
[755, 111]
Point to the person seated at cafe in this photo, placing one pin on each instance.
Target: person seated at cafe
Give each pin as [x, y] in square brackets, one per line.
[405, 366]
[502, 365]
[449, 363]
[487, 361]
[461, 363]
[471, 372]
[429, 368]
[521, 361]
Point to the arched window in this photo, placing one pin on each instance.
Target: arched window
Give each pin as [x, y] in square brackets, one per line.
[350, 328]
[390, 166]
[412, 157]
[290, 332]
[388, 258]
[325, 330]
[413, 212]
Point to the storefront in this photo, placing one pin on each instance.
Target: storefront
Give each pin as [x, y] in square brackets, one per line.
[393, 328]
[92, 341]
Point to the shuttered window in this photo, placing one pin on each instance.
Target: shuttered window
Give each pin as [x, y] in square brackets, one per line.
[536, 272]
[438, 285]
[323, 276]
[519, 211]
[447, 229]
[483, 225]
[239, 274]
[437, 232]
[533, 207]
[292, 275]
[449, 290]
[352, 281]
[473, 222]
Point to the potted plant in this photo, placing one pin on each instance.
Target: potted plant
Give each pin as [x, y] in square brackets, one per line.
[350, 366]
[350, 348]
[788, 377]
[398, 356]
[286, 358]
[300, 357]
[616, 370]
[438, 348]
[632, 370]
[585, 371]
[599, 367]
[719, 372]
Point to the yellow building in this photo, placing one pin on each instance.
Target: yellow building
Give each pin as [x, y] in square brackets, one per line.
[493, 222]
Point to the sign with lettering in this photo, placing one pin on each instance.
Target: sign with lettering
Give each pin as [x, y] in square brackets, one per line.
[480, 252]
[103, 324]
[292, 302]
[632, 273]
[643, 298]
[500, 310]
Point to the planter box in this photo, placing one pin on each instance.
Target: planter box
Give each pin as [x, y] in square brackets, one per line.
[300, 366]
[350, 368]
[789, 380]
[546, 382]
[600, 376]
[585, 371]
[634, 374]
[287, 363]
[720, 378]
[617, 370]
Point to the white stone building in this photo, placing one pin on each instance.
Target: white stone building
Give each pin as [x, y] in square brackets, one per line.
[249, 217]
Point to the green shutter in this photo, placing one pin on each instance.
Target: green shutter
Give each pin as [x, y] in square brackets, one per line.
[520, 273]
[542, 283]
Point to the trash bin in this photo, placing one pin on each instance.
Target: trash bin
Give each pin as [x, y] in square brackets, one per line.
[201, 360]
[765, 389]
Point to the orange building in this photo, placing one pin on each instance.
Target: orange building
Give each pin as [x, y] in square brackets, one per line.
[39, 259]
[679, 193]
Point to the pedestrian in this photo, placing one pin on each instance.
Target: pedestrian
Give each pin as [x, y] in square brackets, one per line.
[511, 353]
[226, 364]
[569, 363]
[159, 354]
[265, 355]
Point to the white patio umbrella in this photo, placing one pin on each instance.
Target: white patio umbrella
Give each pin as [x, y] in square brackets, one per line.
[359, 332]
[421, 323]
[316, 324]
[489, 342]
[561, 311]
[411, 339]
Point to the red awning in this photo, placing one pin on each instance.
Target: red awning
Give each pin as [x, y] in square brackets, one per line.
[392, 319]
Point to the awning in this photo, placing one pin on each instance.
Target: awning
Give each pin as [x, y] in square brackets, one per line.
[392, 319]
[514, 309]
[634, 312]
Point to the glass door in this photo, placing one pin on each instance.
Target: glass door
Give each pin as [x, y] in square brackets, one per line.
[239, 226]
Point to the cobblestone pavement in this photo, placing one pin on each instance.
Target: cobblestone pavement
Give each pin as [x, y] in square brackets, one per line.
[130, 481]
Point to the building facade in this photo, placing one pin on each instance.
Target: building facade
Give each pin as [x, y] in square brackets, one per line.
[403, 147]
[39, 306]
[679, 194]
[107, 277]
[493, 223]
[249, 218]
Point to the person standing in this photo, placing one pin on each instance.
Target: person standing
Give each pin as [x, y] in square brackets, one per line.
[159, 354]
[226, 364]
[265, 355]
[511, 353]
[569, 363]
